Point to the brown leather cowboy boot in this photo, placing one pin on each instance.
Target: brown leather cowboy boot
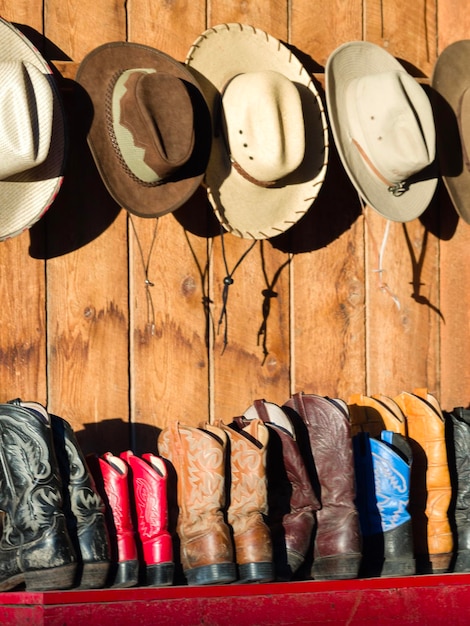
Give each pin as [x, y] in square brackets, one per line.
[337, 546]
[198, 458]
[248, 506]
[430, 491]
[292, 502]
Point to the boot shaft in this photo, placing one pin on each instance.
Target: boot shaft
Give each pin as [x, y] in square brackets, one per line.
[373, 414]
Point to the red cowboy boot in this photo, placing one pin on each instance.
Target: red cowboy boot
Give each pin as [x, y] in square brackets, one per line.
[111, 479]
[149, 485]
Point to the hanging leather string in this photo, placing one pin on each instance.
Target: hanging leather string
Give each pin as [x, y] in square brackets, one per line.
[268, 295]
[228, 280]
[206, 301]
[145, 265]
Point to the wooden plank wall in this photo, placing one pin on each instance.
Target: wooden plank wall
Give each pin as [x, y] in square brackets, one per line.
[81, 332]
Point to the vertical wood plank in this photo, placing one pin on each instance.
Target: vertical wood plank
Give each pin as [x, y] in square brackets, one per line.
[169, 362]
[453, 25]
[328, 276]
[402, 341]
[87, 292]
[22, 278]
[242, 371]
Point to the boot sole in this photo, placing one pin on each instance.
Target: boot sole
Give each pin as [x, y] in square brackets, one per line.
[124, 574]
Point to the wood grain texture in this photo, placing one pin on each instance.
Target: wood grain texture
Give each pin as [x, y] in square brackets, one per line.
[86, 251]
[306, 310]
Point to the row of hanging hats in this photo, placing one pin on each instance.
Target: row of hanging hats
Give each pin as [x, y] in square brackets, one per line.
[243, 115]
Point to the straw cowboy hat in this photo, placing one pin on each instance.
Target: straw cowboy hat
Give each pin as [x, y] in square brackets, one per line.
[451, 82]
[270, 143]
[32, 133]
[150, 134]
[383, 126]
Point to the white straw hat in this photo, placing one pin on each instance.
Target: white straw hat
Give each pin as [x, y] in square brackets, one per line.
[32, 133]
[383, 126]
[270, 140]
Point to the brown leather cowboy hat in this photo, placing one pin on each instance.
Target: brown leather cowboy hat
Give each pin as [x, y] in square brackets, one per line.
[150, 135]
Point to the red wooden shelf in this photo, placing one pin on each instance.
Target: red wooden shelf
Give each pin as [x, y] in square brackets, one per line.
[432, 600]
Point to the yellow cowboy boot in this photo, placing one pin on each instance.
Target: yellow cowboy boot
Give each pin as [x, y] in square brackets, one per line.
[376, 413]
[431, 489]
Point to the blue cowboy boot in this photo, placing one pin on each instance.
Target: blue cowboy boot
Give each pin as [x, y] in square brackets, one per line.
[383, 470]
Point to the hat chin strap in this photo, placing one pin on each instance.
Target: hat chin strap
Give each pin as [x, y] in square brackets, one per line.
[396, 189]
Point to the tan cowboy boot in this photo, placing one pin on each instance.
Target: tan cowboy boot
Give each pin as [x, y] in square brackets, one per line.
[198, 458]
[376, 413]
[249, 501]
[431, 489]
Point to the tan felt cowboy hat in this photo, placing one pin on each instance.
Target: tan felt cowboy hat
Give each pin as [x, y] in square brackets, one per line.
[383, 126]
[150, 134]
[32, 133]
[451, 81]
[270, 144]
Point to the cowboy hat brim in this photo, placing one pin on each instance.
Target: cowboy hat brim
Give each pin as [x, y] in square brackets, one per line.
[347, 63]
[95, 74]
[450, 79]
[25, 197]
[242, 207]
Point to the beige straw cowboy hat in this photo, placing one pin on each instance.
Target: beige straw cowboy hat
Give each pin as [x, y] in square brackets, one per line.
[150, 135]
[451, 80]
[383, 126]
[270, 140]
[32, 133]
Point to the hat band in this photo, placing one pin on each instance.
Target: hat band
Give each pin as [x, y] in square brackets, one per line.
[113, 138]
[396, 189]
[245, 175]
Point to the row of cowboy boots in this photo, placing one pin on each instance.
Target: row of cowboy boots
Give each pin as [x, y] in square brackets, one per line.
[54, 533]
[247, 499]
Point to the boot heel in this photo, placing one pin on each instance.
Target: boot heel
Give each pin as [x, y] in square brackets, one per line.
[215, 574]
[94, 575]
[124, 574]
[160, 575]
[62, 577]
[340, 567]
[256, 572]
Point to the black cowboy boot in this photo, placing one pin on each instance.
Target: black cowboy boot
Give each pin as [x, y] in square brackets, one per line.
[83, 507]
[460, 456]
[35, 547]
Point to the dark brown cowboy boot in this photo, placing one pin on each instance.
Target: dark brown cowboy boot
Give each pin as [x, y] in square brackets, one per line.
[337, 545]
[198, 458]
[292, 502]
